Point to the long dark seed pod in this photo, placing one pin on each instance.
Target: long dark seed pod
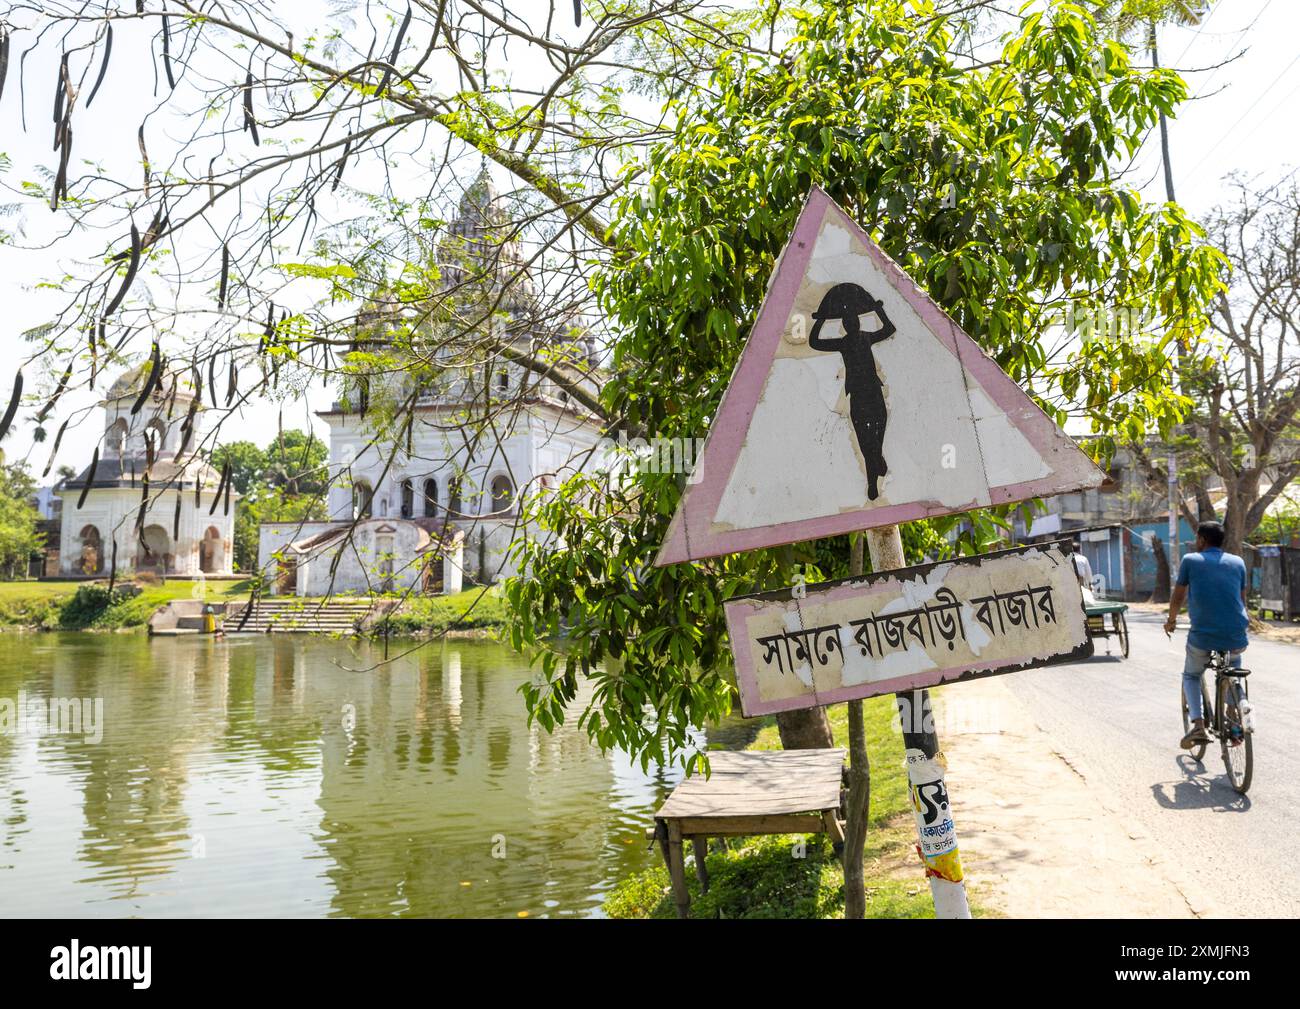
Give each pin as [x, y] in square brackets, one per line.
[167, 50]
[90, 478]
[198, 488]
[151, 383]
[268, 331]
[392, 59]
[58, 438]
[14, 400]
[225, 478]
[97, 336]
[144, 507]
[63, 384]
[187, 428]
[156, 226]
[4, 57]
[132, 266]
[250, 123]
[103, 67]
[60, 91]
[149, 454]
[144, 158]
[577, 12]
[176, 520]
[338, 175]
[232, 383]
[63, 140]
[112, 567]
[226, 509]
[225, 278]
[212, 378]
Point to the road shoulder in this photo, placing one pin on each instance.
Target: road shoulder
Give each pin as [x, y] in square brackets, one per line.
[1038, 839]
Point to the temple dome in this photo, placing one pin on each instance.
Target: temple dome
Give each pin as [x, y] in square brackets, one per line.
[128, 384]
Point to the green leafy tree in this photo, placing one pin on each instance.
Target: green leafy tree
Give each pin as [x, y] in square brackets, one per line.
[19, 533]
[284, 482]
[295, 461]
[248, 463]
[992, 185]
[265, 503]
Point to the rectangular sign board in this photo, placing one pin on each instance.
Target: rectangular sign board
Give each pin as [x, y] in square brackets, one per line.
[907, 629]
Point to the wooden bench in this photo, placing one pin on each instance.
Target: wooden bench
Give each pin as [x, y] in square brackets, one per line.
[749, 792]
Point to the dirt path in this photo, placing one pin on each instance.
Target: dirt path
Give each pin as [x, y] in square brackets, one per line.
[1037, 840]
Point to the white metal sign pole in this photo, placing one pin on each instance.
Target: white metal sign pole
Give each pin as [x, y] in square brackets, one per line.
[937, 836]
[1174, 545]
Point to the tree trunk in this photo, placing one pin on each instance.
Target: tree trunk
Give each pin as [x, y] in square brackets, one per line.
[1234, 522]
[1204, 506]
[1164, 124]
[807, 729]
[1164, 582]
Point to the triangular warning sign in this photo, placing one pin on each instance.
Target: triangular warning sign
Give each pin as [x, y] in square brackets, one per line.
[856, 403]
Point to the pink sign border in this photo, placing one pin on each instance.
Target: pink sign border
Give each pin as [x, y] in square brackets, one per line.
[689, 537]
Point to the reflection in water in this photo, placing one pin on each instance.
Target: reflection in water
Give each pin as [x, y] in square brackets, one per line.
[283, 775]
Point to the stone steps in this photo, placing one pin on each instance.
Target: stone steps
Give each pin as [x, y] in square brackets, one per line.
[290, 616]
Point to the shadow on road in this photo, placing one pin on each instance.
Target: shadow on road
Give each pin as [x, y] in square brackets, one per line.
[1199, 789]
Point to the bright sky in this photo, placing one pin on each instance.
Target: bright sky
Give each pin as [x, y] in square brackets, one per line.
[1242, 64]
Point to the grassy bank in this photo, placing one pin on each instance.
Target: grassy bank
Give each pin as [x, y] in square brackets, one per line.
[77, 606]
[797, 876]
[476, 609]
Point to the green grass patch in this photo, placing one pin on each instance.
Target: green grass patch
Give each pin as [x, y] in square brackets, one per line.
[763, 877]
[88, 605]
[473, 609]
[789, 876]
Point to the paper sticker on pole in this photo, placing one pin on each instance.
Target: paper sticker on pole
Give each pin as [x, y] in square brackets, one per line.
[907, 629]
[857, 402]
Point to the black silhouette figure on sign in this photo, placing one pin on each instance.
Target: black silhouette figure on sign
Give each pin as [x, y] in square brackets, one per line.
[847, 302]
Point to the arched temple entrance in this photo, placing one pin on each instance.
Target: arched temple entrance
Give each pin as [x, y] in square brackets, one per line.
[154, 551]
[92, 551]
[211, 551]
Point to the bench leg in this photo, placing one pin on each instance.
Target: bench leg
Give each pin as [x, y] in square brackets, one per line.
[677, 869]
[701, 845]
[835, 829]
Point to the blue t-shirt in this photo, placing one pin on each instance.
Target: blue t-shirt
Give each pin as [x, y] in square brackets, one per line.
[1218, 615]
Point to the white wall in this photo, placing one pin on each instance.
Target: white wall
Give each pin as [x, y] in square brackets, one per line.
[544, 446]
[112, 510]
[362, 560]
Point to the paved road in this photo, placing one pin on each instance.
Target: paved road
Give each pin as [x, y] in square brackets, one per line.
[1121, 720]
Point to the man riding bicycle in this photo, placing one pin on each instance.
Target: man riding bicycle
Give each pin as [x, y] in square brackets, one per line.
[1213, 583]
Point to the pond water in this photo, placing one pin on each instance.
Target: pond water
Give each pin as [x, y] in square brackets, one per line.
[296, 776]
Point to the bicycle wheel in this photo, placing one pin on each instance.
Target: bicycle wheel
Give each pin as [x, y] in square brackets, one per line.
[1121, 627]
[1198, 751]
[1238, 755]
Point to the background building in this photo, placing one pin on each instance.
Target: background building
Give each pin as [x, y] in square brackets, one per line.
[180, 533]
[442, 506]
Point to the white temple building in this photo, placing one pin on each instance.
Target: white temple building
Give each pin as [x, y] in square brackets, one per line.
[439, 510]
[180, 533]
